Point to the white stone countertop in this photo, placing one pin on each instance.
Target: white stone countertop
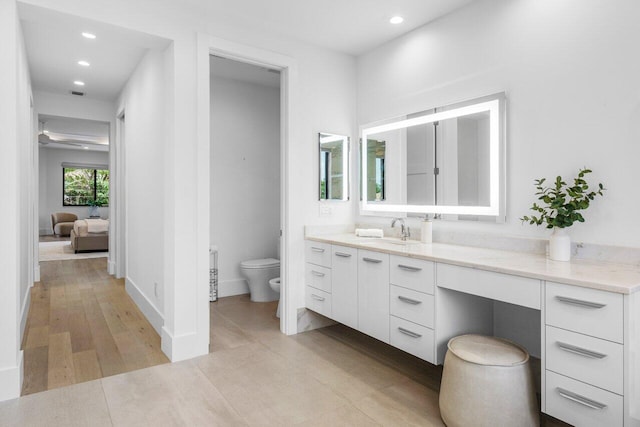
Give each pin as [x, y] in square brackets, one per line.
[620, 278]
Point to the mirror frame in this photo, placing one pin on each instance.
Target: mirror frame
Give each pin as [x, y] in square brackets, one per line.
[345, 166]
[496, 108]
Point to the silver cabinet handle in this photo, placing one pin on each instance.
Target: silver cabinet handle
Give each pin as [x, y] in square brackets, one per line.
[579, 302]
[317, 273]
[409, 333]
[343, 255]
[316, 297]
[313, 248]
[371, 260]
[408, 267]
[580, 399]
[580, 351]
[409, 300]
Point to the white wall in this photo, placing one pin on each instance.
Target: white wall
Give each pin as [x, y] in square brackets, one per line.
[245, 177]
[16, 167]
[50, 188]
[570, 70]
[143, 100]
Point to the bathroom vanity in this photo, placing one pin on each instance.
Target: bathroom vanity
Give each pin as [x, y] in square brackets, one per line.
[584, 316]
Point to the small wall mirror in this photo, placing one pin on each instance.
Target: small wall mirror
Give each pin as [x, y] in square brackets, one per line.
[334, 166]
[449, 160]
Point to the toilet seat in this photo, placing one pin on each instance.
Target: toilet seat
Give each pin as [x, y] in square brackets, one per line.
[260, 263]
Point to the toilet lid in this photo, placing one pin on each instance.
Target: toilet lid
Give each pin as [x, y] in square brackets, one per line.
[260, 263]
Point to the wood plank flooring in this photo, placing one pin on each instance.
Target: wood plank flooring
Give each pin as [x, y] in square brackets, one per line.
[83, 326]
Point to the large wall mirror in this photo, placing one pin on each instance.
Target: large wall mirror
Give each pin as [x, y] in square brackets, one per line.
[448, 160]
[334, 166]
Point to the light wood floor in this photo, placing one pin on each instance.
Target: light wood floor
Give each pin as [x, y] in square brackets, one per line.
[54, 238]
[254, 375]
[82, 326]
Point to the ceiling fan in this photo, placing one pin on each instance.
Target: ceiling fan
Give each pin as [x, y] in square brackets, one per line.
[80, 141]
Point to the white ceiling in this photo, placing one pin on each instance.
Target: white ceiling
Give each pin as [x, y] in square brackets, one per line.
[349, 26]
[54, 45]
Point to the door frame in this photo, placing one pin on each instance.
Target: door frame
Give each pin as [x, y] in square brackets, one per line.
[209, 45]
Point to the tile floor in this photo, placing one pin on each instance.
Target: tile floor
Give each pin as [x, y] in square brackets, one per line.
[253, 376]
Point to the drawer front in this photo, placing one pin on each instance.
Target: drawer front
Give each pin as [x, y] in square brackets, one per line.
[412, 273]
[584, 358]
[588, 311]
[318, 253]
[497, 286]
[318, 301]
[318, 277]
[412, 338]
[416, 307]
[580, 404]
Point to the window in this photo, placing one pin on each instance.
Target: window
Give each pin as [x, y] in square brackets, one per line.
[83, 186]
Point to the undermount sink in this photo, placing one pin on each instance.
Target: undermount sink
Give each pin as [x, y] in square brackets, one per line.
[396, 241]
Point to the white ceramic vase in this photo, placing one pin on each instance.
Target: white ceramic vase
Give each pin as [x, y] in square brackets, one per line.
[559, 245]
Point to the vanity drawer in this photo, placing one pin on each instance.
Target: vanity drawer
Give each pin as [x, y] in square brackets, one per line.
[584, 358]
[318, 253]
[581, 404]
[417, 307]
[318, 301]
[412, 273]
[412, 338]
[588, 311]
[497, 286]
[318, 277]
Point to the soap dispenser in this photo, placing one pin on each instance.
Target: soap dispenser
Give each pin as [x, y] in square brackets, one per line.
[426, 230]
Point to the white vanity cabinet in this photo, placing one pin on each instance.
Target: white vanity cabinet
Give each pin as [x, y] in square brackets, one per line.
[344, 285]
[373, 294]
[584, 373]
[318, 277]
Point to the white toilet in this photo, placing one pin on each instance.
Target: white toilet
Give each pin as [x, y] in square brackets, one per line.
[275, 285]
[258, 272]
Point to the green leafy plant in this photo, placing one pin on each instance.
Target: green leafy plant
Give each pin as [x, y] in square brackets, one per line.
[560, 204]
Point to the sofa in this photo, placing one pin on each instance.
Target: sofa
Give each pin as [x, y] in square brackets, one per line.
[83, 239]
[62, 223]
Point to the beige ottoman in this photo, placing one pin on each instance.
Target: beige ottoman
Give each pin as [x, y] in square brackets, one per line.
[487, 382]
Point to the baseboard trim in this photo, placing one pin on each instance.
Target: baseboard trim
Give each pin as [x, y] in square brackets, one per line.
[111, 267]
[36, 273]
[181, 347]
[11, 379]
[149, 310]
[25, 312]
[233, 287]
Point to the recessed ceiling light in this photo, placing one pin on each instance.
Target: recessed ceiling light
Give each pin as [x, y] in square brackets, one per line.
[85, 147]
[78, 83]
[396, 20]
[83, 63]
[89, 35]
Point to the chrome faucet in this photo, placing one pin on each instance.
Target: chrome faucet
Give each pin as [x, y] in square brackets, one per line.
[404, 230]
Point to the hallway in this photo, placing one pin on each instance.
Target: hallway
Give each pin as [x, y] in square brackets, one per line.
[83, 326]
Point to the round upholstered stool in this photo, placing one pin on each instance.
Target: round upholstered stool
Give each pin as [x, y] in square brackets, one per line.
[487, 382]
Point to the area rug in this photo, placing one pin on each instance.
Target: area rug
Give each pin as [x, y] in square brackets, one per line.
[56, 251]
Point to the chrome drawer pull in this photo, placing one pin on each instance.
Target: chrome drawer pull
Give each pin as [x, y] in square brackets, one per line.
[371, 260]
[317, 273]
[317, 249]
[580, 351]
[409, 300]
[408, 267]
[580, 399]
[579, 302]
[408, 332]
[316, 297]
[343, 255]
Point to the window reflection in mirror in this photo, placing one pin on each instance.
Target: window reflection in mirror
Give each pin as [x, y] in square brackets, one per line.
[334, 166]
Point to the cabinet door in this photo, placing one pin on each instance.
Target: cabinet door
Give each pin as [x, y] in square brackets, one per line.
[344, 285]
[373, 294]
